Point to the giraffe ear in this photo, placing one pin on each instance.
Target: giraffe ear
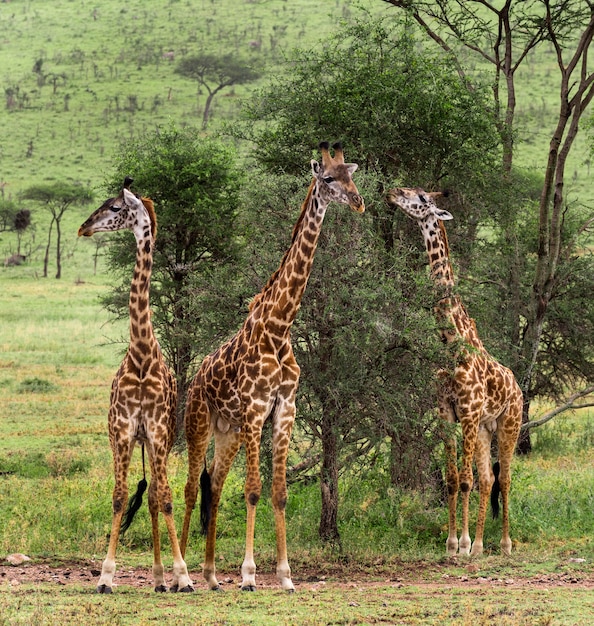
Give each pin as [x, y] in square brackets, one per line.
[443, 215]
[129, 196]
[315, 167]
[352, 168]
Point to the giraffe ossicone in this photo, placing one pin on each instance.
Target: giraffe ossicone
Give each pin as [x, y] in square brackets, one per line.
[143, 393]
[477, 391]
[254, 377]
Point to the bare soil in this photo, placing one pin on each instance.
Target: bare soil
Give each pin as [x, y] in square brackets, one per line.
[86, 573]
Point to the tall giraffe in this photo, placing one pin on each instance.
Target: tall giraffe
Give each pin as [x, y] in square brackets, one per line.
[479, 392]
[143, 393]
[254, 376]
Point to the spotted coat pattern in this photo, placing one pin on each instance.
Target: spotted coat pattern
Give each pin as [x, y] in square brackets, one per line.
[143, 393]
[254, 377]
[478, 392]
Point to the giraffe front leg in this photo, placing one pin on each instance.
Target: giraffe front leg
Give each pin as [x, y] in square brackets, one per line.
[483, 463]
[469, 436]
[447, 416]
[119, 500]
[280, 449]
[253, 489]
[452, 484]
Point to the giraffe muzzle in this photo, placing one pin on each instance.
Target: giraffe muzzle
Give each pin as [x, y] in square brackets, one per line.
[357, 203]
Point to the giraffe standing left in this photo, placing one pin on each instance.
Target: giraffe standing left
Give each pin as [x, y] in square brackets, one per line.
[143, 393]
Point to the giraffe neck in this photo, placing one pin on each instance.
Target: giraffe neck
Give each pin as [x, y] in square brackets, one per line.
[436, 243]
[278, 303]
[142, 338]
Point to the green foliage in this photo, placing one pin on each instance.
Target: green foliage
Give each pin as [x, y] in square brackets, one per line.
[58, 194]
[400, 111]
[194, 183]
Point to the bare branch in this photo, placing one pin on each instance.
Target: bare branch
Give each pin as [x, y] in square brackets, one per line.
[569, 404]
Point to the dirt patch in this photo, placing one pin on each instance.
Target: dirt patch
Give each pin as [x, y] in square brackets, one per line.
[86, 573]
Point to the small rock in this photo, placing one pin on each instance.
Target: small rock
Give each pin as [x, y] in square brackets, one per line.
[17, 559]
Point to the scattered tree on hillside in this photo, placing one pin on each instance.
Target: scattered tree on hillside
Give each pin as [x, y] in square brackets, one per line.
[57, 198]
[194, 183]
[503, 35]
[215, 73]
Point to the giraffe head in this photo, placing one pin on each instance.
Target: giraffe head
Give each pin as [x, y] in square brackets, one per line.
[334, 178]
[125, 211]
[417, 203]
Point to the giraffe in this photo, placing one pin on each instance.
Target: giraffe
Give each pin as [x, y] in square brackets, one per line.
[479, 392]
[143, 393]
[254, 376]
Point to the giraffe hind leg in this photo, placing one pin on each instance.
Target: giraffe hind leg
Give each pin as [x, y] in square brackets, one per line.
[163, 502]
[226, 448]
[158, 570]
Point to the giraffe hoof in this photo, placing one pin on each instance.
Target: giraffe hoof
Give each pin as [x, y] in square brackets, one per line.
[103, 589]
[249, 588]
[160, 589]
[174, 588]
[187, 589]
[218, 589]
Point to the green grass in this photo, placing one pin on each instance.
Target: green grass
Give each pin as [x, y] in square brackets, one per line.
[387, 604]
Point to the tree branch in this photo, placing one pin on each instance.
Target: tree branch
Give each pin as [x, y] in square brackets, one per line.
[568, 404]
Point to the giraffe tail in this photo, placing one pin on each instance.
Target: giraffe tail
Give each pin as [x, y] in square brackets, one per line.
[205, 500]
[135, 501]
[495, 491]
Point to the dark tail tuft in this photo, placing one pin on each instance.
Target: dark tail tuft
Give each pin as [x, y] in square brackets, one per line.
[134, 504]
[205, 500]
[135, 501]
[495, 491]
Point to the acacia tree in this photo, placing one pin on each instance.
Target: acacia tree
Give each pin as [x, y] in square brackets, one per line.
[503, 35]
[194, 184]
[57, 198]
[365, 336]
[215, 73]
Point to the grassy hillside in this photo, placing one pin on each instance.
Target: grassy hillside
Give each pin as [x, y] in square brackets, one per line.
[78, 77]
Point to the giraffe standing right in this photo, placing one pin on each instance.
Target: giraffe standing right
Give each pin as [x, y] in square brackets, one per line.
[254, 377]
[143, 392]
[480, 393]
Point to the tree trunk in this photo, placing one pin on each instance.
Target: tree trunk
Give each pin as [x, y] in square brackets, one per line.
[328, 530]
[58, 250]
[47, 248]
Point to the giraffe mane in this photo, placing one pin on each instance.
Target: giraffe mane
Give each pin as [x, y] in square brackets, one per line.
[150, 208]
[258, 297]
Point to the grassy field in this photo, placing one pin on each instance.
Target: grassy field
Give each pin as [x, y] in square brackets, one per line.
[57, 358]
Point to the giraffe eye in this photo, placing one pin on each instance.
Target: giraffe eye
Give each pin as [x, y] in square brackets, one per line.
[328, 179]
[115, 208]
[423, 199]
